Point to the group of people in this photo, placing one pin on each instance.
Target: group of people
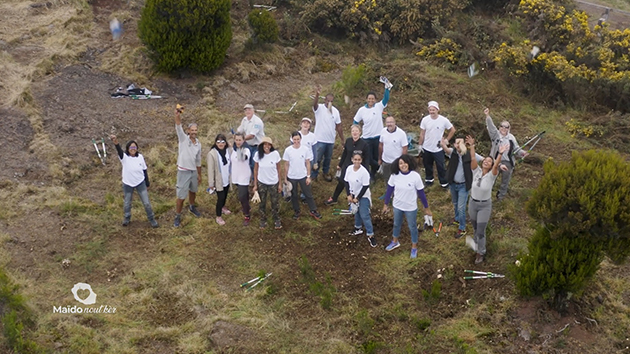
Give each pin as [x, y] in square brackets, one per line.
[372, 150]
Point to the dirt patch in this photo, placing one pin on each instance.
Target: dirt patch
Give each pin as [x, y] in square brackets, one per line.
[18, 162]
[227, 337]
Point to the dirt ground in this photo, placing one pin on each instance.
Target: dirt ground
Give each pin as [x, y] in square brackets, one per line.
[76, 106]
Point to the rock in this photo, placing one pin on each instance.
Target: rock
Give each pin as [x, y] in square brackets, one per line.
[523, 333]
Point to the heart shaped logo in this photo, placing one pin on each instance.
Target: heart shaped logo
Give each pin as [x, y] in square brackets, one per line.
[83, 288]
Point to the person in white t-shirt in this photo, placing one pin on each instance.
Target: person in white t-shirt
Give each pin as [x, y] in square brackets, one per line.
[219, 167]
[432, 129]
[327, 126]
[254, 129]
[298, 172]
[309, 139]
[393, 143]
[480, 205]
[406, 185]
[188, 167]
[241, 174]
[357, 180]
[267, 174]
[371, 114]
[134, 177]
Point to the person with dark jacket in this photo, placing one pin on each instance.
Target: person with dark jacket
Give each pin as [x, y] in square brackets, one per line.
[459, 176]
[352, 144]
[134, 177]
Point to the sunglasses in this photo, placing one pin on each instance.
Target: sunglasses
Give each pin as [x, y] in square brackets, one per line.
[506, 127]
[133, 148]
[220, 141]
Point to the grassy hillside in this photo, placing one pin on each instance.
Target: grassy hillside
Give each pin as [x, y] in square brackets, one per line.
[177, 290]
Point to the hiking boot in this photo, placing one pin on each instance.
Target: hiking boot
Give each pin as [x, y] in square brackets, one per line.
[126, 221]
[444, 185]
[356, 232]
[480, 258]
[194, 211]
[372, 240]
[429, 182]
[296, 215]
[154, 224]
[316, 214]
[460, 233]
[327, 177]
[414, 253]
[178, 220]
[277, 225]
[226, 211]
[392, 245]
[246, 221]
[220, 221]
[330, 201]
[263, 224]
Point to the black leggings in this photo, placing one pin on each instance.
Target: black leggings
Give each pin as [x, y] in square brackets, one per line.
[221, 199]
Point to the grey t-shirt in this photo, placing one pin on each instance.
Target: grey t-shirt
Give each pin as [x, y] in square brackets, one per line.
[189, 157]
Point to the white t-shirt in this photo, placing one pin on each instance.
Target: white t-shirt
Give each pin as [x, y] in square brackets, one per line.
[133, 169]
[357, 179]
[372, 119]
[254, 126]
[267, 170]
[297, 161]
[225, 169]
[483, 190]
[241, 173]
[325, 124]
[308, 140]
[434, 131]
[393, 144]
[406, 189]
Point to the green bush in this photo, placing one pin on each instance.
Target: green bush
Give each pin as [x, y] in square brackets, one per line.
[264, 26]
[584, 208]
[192, 34]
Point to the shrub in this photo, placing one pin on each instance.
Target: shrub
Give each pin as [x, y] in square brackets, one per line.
[444, 50]
[192, 34]
[584, 208]
[264, 26]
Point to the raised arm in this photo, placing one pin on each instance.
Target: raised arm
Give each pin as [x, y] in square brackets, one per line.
[495, 168]
[318, 91]
[178, 117]
[447, 150]
[470, 141]
[119, 150]
[492, 129]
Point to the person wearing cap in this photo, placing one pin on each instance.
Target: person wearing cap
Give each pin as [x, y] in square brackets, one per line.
[371, 114]
[392, 144]
[267, 174]
[308, 139]
[432, 129]
[254, 129]
[502, 136]
[188, 167]
[327, 127]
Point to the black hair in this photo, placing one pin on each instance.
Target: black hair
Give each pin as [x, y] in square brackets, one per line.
[357, 152]
[261, 150]
[129, 144]
[220, 137]
[296, 133]
[371, 93]
[408, 159]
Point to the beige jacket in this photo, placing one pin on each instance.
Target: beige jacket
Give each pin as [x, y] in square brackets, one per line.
[215, 180]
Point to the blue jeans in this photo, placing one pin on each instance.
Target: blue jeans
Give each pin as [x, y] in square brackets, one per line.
[144, 197]
[363, 217]
[322, 151]
[411, 222]
[252, 150]
[459, 196]
[437, 157]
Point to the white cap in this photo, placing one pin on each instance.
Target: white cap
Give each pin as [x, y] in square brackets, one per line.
[434, 104]
[307, 119]
[249, 105]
